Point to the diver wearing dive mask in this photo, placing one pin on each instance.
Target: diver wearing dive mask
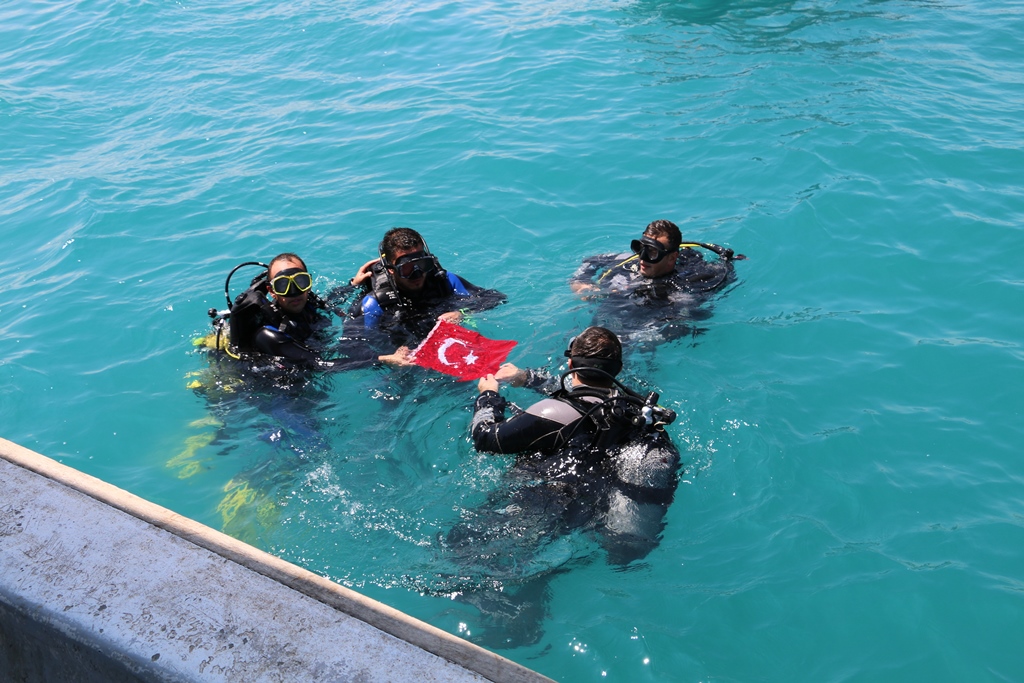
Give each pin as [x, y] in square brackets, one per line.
[407, 290]
[290, 325]
[413, 266]
[594, 451]
[659, 253]
[651, 291]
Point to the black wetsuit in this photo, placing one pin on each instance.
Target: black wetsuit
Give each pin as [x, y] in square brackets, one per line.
[643, 309]
[621, 489]
[405, 318]
[302, 340]
[546, 427]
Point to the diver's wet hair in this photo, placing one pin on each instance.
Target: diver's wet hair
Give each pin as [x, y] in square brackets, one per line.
[286, 256]
[599, 348]
[400, 238]
[663, 228]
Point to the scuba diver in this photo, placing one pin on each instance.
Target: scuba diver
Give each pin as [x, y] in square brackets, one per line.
[583, 435]
[657, 288]
[592, 457]
[267, 356]
[289, 326]
[406, 290]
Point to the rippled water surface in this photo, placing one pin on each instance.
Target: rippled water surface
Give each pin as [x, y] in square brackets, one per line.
[852, 503]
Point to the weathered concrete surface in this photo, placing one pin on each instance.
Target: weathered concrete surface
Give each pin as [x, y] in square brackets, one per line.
[137, 592]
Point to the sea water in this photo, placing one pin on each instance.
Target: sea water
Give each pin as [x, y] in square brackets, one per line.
[851, 506]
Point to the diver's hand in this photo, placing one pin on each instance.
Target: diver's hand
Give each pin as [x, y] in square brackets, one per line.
[487, 383]
[451, 316]
[583, 287]
[511, 374]
[402, 357]
[363, 275]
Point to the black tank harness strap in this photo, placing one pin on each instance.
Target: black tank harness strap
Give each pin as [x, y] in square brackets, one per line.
[382, 284]
[618, 409]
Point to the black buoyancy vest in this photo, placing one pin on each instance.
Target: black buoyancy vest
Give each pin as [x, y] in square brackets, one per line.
[613, 418]
[250, 313]
[390, 299]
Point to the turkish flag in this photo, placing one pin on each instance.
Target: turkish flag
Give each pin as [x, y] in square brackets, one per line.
[454, 350]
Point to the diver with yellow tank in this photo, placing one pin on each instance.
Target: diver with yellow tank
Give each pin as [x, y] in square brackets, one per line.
[279, 317]
[268, 354]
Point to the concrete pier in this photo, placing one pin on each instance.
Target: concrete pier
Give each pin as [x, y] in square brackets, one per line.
[97, 584]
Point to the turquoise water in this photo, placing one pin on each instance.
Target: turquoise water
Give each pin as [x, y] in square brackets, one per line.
[852, 504]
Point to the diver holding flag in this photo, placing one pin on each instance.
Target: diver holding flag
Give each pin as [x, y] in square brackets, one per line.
[592, 459]
[405, 291]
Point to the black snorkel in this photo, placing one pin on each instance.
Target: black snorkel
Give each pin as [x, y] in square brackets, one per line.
[386, 296]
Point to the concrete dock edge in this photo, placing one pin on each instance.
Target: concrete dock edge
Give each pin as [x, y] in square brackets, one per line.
[81, 561]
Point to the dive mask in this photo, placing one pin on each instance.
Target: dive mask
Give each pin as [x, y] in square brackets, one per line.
[291, 282]
[649, 250]
[414, 266]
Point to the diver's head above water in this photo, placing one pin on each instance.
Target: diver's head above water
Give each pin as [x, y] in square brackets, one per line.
[290, 282]
[658, 249]
[407, 258]
[597, 348]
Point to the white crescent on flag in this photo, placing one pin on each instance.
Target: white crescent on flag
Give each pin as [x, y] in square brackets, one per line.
[443, 348]
[442, 351]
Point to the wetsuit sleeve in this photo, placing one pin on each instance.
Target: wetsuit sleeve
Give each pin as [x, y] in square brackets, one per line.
[541, 380]
[342, 364]
[591, 266]
[273, 342]
[349, 354]
[523, 433]
[276, 343]
[355, 311]
[475, 298]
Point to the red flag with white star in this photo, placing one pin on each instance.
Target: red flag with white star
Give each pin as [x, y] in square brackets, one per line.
[454, 350]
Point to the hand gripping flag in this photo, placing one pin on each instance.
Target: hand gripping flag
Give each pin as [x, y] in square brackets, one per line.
[454, 350]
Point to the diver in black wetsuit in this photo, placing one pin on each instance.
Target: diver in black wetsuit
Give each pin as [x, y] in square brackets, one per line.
[268, 353]
[592, 458]
[597, 442]
[654, 291]
[406, 291]
[279, 316]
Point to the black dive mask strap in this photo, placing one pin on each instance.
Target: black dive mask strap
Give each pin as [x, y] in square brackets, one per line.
[606, 366]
